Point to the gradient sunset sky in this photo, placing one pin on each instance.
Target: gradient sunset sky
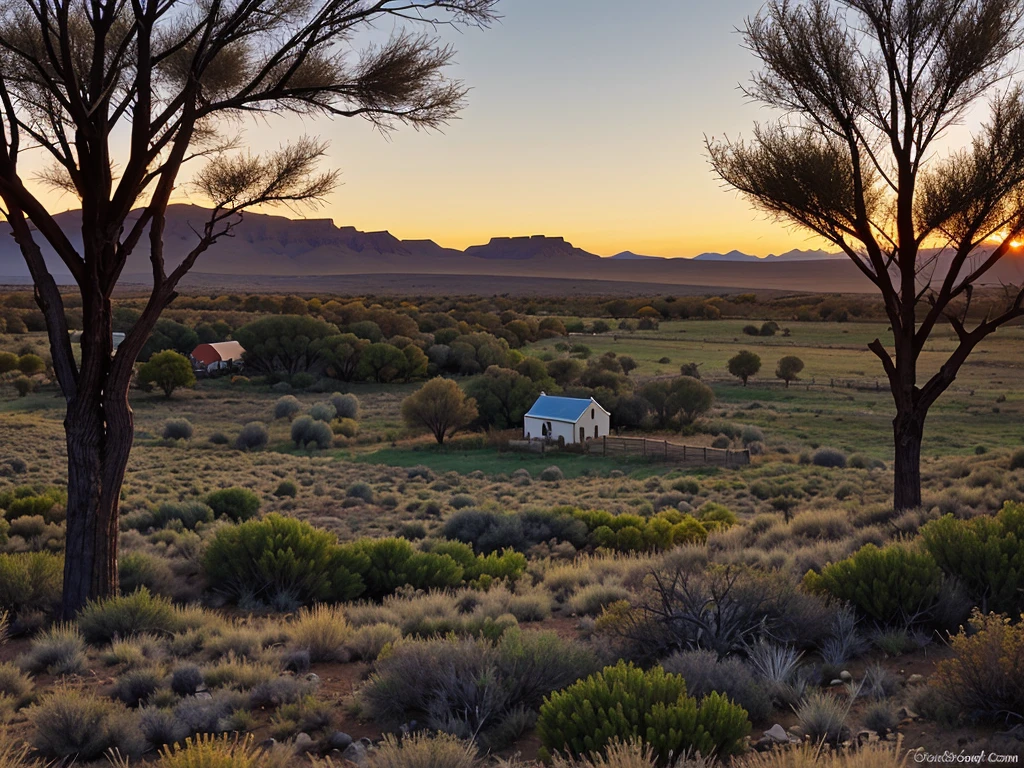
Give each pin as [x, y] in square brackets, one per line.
[586, 120]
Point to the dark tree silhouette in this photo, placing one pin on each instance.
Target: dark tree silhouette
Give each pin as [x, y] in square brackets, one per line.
[125, 96]
[868, 88]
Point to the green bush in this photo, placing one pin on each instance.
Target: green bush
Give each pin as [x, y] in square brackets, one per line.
[235, 503]
[280, 557]
[286, 488]
[624, 703]
[896, 586]
[31, 580]
[188, 513]
[393, 563]
[986, 554]
[126, 615]
[178, 429]
[25, 501]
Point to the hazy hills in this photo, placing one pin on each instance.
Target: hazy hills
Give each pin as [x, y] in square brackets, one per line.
[265, 250]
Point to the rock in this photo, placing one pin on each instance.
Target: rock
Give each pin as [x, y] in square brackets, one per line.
[203, 695]
[836, 682]
[304, 743]
[796, 732]
[905, 713]
[683, 506]
[339, 740]
[915, 679]
[845, 676]
[777, 734]
[356, 753]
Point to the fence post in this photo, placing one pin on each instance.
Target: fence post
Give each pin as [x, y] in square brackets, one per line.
[644, 448]
[705, 454]
[666, 449]
[604, 445]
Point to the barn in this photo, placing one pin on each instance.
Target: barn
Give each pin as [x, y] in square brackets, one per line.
[218, 356]
[572, 419]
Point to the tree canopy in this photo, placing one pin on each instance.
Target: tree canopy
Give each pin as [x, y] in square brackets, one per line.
[868, 91]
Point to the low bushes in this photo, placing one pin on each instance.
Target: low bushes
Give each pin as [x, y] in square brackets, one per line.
[287, 407]
[287, 562]
[895, 586]
[253, 437]
[829, 457]
[466, 687]
[705, 673]
[234, 503]
[985, 679]
[126, 615]
[280, 558]
[986, 554]
[308, 432]
[69, 724]
[178, 429]
[489, 531]
[31, 580]
[624, 703]
[345, 406]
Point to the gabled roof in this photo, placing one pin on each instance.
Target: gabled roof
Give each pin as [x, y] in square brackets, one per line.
[218, 352]
[561, 408]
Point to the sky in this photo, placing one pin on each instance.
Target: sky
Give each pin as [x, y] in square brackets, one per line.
[586, 120]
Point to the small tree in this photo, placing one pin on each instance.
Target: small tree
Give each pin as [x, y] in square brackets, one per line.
[440, 406]
[169, 370]
[788, 368]
[744, 365]
[689, 398]
[628, 364]
[869, 90]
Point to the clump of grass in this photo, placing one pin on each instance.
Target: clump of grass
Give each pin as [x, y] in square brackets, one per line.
[323, 631]
[59, 650]
[207, 751]
[126, 615]
[69, 724]
[14, 682]
[367, 642]
[136, 686]
[823, 717]
[421, 750]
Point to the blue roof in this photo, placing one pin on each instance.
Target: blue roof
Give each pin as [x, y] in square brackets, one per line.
[559, 408]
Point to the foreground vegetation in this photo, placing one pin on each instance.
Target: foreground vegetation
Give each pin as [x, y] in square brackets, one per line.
[297, 565]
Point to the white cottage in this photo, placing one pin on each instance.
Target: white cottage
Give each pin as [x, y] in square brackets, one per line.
[573, 419]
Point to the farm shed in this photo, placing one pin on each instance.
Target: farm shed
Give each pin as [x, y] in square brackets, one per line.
[217, 356]
[573, 419]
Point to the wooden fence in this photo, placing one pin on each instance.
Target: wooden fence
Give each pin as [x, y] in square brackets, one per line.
[663, 450]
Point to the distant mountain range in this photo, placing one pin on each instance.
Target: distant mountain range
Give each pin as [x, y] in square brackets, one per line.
[265, 246]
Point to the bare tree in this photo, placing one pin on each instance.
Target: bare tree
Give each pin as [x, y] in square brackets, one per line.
[123, 96]
[868, 88]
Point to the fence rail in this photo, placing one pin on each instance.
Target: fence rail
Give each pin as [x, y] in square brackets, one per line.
[663, 450]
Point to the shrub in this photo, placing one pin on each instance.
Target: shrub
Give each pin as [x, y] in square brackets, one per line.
[287, 407]
[14, 682]
[186, 680]
[286, 488]
[60, 650]
[466, 686]
[360, 490]
[178, 429]
[219, 438]
[1017, 460]
[30, 580]
[551, 474]
[188, 513]
[896, 585]
[985, 554]
[235, 503]
[168, 370]
[705, 673]
[392, 563]
[300, 428]
[461, 501]
[24, 385]
[823, 717]
[72, 724]
[322, 631]
[829, 457]
[623, 701]
[345, 427]
[318, 435]
[279, 557]
[368, 641]
[323, 412]
[127, 615]
[487, 531]
[30, 364]
[985, 679]
[253, 437]
[136, 686]
[223, 751]
[345, 406]
[422, 750]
